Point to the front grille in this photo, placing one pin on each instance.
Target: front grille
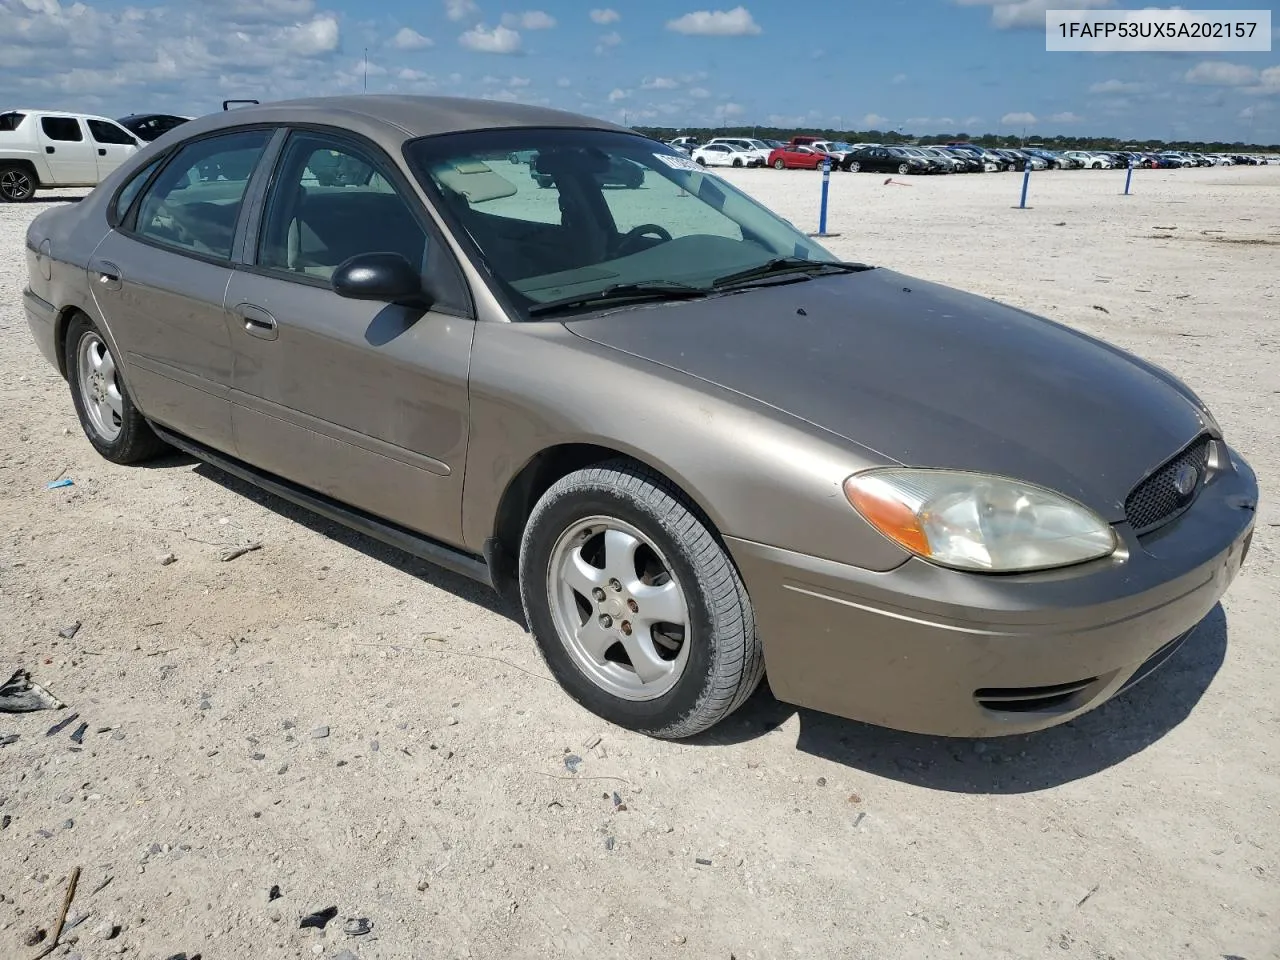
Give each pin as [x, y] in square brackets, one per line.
[1058, 696]
[1157, 500]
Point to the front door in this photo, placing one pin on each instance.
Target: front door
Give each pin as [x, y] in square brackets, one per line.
[112, 143]
[68, 154]
[365, 402]
[160, 280]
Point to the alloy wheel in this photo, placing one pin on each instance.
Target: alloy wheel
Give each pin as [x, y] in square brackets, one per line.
[99, 388]
[618, 608]
[16, 185]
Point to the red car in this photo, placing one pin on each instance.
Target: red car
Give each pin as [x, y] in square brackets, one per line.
[798, 156]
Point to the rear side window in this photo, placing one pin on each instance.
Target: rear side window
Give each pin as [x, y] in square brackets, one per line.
[11, 121]
[124, 199]
[105, 132]
[194, 204]
[62, 128]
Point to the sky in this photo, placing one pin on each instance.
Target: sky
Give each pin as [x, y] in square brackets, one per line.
[917, 66]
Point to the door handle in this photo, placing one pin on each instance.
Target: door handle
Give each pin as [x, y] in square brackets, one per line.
[102, 151]
[107, 274]
[48, 149]
[257, 322]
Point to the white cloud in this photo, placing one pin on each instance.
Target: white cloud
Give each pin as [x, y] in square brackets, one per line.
[1029, 14]
[700, 93]
[1017, 119]
[564, 83]
[616, 94]
[241, 11]
[658, 83]
[529, 20]
[1119, 86]
[873, 121]
[405, 73]
[515, 83]
[608, 41]
[605, 16]
[728, 110]
[899, 78]
[457, 10]
[737, 22]
[498, 40]
[407, 38]
[1066, 117]
[1219, 73]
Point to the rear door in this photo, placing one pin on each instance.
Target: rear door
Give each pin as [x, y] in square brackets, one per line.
[67, 151]
[112, 143]
[161, 276]
[363, 401]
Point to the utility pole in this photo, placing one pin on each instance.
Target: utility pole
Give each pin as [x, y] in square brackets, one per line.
[366, 69]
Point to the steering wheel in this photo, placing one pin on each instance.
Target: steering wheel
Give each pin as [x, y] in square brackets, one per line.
[629, 238]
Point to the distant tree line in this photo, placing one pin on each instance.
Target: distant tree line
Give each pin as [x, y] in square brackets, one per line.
[1059, 142]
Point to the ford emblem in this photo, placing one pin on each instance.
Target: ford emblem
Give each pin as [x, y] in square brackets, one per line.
[1185, 480]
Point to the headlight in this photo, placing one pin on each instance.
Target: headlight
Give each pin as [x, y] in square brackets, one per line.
[975, 522]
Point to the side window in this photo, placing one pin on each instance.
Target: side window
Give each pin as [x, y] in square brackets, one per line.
[105, 132]
[329, 202]
[62, 128]
[124, 199]
[11, 121]
[195, 202]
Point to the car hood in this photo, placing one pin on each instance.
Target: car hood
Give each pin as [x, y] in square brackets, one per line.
[927, 375]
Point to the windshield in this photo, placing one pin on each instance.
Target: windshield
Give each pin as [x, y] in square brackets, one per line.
[594, 210]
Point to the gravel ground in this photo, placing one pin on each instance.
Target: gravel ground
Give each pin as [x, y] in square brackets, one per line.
[366, 733]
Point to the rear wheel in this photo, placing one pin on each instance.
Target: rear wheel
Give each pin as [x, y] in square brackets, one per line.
[737, 162]
[854, 166]
[17, 183]
[779, 164]
[107, 414]
[701, 161]
[904, 168]
[635, 605]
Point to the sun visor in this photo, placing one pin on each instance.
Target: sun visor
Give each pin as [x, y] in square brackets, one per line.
[475, 180]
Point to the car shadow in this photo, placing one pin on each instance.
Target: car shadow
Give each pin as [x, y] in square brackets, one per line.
[40, 198]
[423, 570]
[1115, 731]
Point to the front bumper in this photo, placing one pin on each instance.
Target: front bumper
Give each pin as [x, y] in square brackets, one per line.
[42, 318]
[930, 650]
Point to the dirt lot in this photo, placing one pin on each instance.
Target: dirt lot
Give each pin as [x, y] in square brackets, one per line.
[440, 805]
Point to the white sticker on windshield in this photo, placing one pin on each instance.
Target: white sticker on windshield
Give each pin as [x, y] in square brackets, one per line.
[678, 163]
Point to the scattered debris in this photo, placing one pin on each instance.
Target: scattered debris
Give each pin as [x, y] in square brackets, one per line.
[167, 559]
[8, 738]
[550, 806]
[451, 721]
[68, 632]
[618, 805]
[62, 915]
[608, 843]
[679, 939]
[896, 183]
[1092, 891]
[20, 694]
[319, 733]
[318, 919]
[357, 927]
[103, 885]
[1061, 223]
[5, 821]
[591, 744]
[78, 736]
[702, 861]
[822, 781]
[858, 819]
[35, 937]
[423, 886]
[1181, 296]
[238, 552]
[1163, 228]
[117, 735]
[571, 762]
[1102, 309]
[183, 956]
[58, 484]
[62, 724]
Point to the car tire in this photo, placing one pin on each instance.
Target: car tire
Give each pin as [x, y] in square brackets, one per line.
[904, 168]
[737, 162]
[111, 421]
[701, 161]
[620, 523]
[854, 166]
[17, 183]
[779, 164]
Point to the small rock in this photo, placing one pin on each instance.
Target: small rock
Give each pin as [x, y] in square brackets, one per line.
[609, 843]
[283, 769]
[357, 927]
[274, 893]
[35, 936]
[702, 861]
[571, 762]
[288, 725]
[45, 834]
[822, 781]
[342, 763]
[68, 824]
[117, 735]
[106, 931]
[679, 938]
[374, 746]
[205, 705]
[423, 886]
[259, 756]
[451, 721]
[319, 733]
[68, 632]
[167, 559]
[318, 918]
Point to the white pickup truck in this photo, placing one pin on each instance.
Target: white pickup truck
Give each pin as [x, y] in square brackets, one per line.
[42, 149]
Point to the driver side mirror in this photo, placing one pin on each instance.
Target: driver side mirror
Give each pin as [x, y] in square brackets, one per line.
[386, 277]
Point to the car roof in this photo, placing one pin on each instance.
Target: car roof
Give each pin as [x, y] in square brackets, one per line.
[33, 111]
[394, 118]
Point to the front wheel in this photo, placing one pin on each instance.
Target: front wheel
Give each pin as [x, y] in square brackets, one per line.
[737, 162]
[17, 184]
[904, 168]
[854, 166]
[701, 161]
[634, 603]
[779, 164]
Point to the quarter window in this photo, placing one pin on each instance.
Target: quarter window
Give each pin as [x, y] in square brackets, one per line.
[195, 202]
[66, 129]
[330, 201]
[11, 121]
[105, 132]
[124, 199]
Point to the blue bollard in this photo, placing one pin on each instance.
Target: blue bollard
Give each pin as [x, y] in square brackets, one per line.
[826, 187]
[1128, 178]
[1026, 181]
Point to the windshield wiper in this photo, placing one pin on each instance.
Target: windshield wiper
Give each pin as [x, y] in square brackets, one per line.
[783, 265]
[642, 290]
